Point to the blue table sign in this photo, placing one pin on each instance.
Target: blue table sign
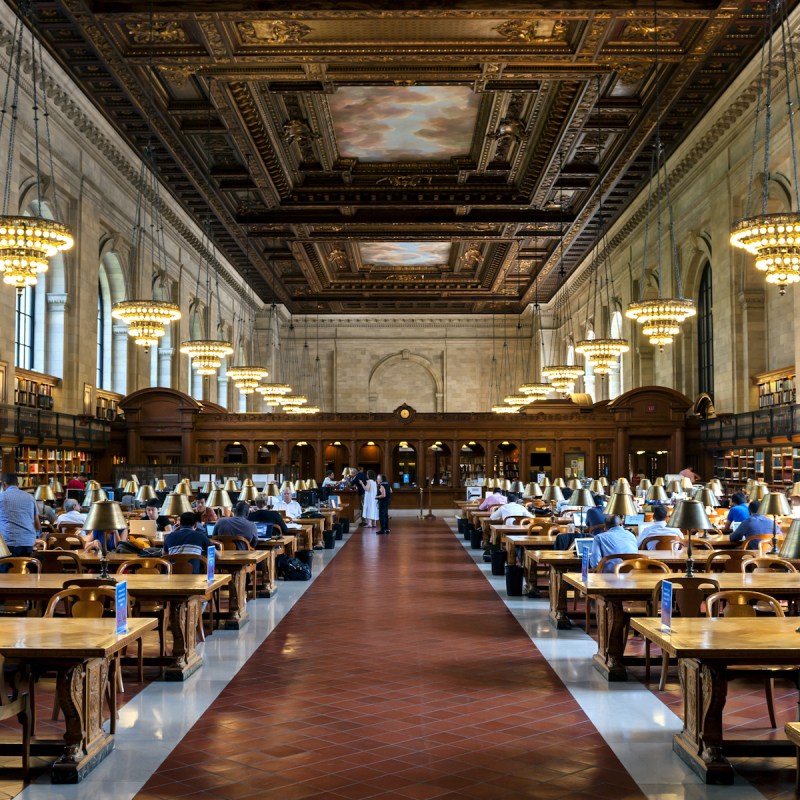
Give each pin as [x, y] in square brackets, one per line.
[211, 556]
[122, 607]
[585, 565]
[666, 607]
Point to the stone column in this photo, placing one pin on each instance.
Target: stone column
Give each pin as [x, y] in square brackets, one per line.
[119, 360]
[54, 352]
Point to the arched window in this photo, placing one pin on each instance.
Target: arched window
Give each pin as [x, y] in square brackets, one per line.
[25, 314]
[101, 337]
[115, 337]
[705, 336]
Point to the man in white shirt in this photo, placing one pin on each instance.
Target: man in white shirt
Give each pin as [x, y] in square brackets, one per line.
[71, 515]
[291, 507]
[657, 528]
[329, 480]
[510, 510]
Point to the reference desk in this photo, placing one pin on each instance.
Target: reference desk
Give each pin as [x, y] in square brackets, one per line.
[612, 591]
[704, 648]
[79, 651]
[185, 594]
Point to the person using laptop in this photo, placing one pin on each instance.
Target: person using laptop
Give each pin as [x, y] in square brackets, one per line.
[238, 525]
[738, 512]
[188, 539]
[205, 514]
[263, 514]
[658, 527]
[291, 507]
[756, 523]
[615, 539]
[151, 512]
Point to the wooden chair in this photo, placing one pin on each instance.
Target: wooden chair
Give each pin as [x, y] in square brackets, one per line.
[60, 561]
[763, 565]
[698, 545]
[688, 595]
[69, 528]
[64, 541]
[149, 608]
[527, 522]
[600, 568]
[19, 566]
[89, 602]
[16, 703]
[759, 538]
[637, 607]
[239, 543]
[662, 541]
[184, 564]
[727, 560]
[750, 604]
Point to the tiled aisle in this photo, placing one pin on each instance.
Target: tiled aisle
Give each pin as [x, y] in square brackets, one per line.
[399, 674]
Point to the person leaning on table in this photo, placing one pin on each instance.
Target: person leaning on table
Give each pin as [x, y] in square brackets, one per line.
[614, 539]
[756, 523]
[738, 511]
[187, 539]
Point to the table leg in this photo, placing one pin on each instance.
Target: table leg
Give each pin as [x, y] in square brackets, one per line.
[269, 577]
[81, 690]
[183, 619]
[237, 599]
[558, 600]
[511, 552]
[608, 659]
[699, 744]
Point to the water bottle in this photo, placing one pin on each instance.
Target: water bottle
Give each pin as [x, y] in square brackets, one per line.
[571, 528]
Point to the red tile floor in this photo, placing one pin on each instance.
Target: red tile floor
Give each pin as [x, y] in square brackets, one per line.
[399, 674]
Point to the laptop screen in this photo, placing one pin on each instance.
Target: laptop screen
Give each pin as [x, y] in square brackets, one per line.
[735, 525]
[634, 520]
[583, 544]
[261, 530]
[210, 528]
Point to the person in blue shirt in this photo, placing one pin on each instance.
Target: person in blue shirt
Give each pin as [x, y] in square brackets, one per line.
[755, 523]
[738, 511]
[594, 517]
[615, 539]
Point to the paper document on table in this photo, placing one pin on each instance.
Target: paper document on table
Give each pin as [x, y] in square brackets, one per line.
[294, 526]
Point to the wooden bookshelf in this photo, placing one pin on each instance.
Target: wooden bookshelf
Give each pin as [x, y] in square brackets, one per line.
[778, 467]
[106, 405]
[34, 389]
[35, 464]
[776, 388]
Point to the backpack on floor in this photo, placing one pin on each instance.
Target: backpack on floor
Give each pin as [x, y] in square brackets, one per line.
[293, 569]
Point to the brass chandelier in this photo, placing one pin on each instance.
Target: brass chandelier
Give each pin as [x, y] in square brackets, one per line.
[774, 239]
[661, 318]
[27, 243]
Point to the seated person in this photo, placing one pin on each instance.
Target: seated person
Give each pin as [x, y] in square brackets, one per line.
[291, 507]
[238, 525]
[205, 514]
[614, 539]
[510, 510]
[127, 501]
[595, 517]
[188, 539]
[46, 511]
[658, 527]
[262, 514]
[72, 514]
[493, 499]
[755, 523]
[151, 512]
[93, 540]
[738, 512]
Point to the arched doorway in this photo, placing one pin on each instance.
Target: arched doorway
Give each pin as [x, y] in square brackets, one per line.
[370, 456]
[404, 465]
[234, 453]
[506, 461]
[336, 457]
[301, 466]
[471, 463]
[439, 463]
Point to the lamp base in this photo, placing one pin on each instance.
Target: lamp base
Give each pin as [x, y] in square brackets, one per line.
[104, 574]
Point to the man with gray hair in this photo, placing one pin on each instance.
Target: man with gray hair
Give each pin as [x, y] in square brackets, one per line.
[72, 514]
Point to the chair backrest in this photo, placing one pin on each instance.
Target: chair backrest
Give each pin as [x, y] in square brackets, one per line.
[527, 522]
[22, 565]
[146, 566]
[510, 521]
[624, 556]
[727, 560]
[757, 537]
[553, 530]
[232, 542]
[66, 528]
[767, 565]
[699, 544]
[66, 541]
[687, 594]
[494, 506]
[187, 564]
[662, 541]
[595, 529]
[736, 603]
[87, 602]
[641, 565]
[56, 561]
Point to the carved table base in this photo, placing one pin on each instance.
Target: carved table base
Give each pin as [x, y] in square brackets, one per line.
[609, 659]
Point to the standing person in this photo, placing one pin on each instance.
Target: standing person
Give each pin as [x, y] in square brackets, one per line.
[19, 519]
[384, 501]
[688, 472]
[330, 480]
[76, 483]
[370, 502]
[358, 479]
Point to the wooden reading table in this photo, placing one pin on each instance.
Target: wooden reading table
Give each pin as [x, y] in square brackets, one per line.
[612, 591]
[704, 649]
[79, 651]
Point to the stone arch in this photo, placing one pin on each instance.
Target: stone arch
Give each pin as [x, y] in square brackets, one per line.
[409, 363]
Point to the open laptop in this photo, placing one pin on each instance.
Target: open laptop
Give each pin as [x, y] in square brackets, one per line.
[210, 528]
[265, 530]
[634, 520]
[142, 527]
[582, 544]
[734, 526]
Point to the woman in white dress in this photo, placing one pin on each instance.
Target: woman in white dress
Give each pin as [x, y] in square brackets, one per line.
[370, 511]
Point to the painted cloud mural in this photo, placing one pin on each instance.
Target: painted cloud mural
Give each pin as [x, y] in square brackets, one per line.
[405, 254]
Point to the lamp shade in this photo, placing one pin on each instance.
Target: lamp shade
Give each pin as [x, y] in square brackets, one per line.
[220, 498]
[533, 490]
[248, 493]
[56, 486]
[44, 492]
[287, 485]
[716, 486]
[759, 492]
[560, 482]
[582, 498]
[175, 504]
[184, 489]
[122, 483]
[312, 484]
[604, 481]
[300, 485]
[620, 504]
[597, 487]
[93, 486]
[644, 484]
[707, 498]
[518, 487]
[505, 485]
[545, 483]
[553, 494]
[231, 485]
[674, 487]
[791, 544]
[146, 492]
[690, 515]
[775, 504]
[247, 482]
[686, 483]
[622, 483]
[656, 494]
[94, 496]
[574, 484]
[130, 488]
[208, 487]
[271, 490]
[161, 485]
[105, 515]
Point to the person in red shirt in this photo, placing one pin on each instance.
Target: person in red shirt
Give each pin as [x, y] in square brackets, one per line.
[76, 483]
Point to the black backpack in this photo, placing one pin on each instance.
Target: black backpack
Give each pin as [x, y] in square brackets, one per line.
[293, 569]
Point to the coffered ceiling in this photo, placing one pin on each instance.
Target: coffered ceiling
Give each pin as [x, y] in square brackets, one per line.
[402, 157]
